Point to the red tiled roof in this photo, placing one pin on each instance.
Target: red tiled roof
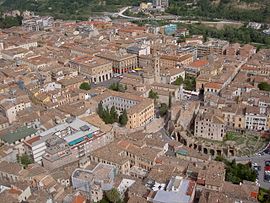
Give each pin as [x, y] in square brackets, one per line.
[32, 140]
[79, 199]
[213, 85]
[199, 63]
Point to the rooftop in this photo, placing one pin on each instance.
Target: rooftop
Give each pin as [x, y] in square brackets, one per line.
[18, 134]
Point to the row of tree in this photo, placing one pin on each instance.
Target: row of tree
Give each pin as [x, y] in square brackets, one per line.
[110, 116]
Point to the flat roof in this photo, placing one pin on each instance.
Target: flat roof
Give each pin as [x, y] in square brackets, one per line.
[174, 197]
[76, 124]
[19, 134]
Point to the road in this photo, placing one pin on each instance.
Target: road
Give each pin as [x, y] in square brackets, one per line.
[175, 19]
[123, 10]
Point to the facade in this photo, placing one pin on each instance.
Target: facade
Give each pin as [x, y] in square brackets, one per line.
[12, 106]
[174, 61]
[209, 124]
[213, 46]
[255, 119]
[35, 147]
[95, 69]
[121, 62]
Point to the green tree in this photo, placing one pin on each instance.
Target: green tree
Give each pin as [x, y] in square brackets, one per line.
[264, 86]
[25, 160]
[113, 114]
[178, 81]
[100, 110]
[123, 118]
[170, 100]
[236, 173]
[85, 86]
[153, 95]
[113, 195]
[117, 87]
[163, 109]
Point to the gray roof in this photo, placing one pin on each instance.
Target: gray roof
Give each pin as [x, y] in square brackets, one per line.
[19, 134]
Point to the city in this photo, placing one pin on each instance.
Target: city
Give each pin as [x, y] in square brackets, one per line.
[118, 109]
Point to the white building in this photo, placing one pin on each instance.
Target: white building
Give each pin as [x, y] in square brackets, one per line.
[35, 147]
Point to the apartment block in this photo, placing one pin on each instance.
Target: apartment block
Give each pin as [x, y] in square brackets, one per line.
[213, 46]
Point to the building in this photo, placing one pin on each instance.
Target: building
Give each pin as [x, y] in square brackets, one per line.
[35, 147]
[57, 153]
[255, 119]
[209, 124]
[95, 69]
[140, 110]
[16, 137]
[14, 105]
[178, 190]
[93, 182]
[37, 23]
[214, 46]
[76, 137]
[172, 61]
[121, 62]
[160, 4]
[170, 75]
[10, 172]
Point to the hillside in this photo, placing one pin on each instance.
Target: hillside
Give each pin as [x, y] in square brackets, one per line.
[243, 10]
[66, 9]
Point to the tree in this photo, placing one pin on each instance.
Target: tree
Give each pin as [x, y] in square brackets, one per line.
[117, 87]
[100, 110]
[113, 114]
[178, 81]
[123, 118]
[170, 100]
[163, 109]
[236, 173]
[85, 86]
[113, 195]
[152, 95]
[264, 86]
[25, 160]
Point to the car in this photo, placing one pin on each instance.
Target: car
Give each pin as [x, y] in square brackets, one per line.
[267, 163]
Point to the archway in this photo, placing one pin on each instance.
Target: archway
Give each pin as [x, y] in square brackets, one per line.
[212, 152]
[205, 150]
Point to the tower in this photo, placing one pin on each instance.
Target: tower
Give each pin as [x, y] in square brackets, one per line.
[156, 66]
